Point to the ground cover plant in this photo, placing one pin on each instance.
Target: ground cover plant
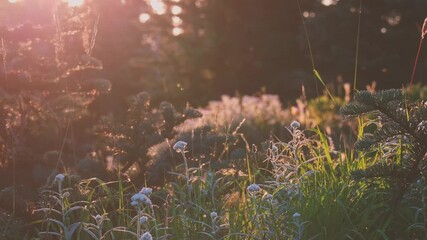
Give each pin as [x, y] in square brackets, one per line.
[345, 164]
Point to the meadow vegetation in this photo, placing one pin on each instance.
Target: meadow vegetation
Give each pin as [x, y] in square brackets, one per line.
[347, 164]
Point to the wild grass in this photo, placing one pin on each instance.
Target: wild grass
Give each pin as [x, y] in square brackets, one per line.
[298, 185]
[305, 190]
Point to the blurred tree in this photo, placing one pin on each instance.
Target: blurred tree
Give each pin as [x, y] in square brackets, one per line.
[197, 50]
[46, 84]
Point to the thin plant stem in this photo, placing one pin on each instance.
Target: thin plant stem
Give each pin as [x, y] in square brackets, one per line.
[315, 72]
[416, 63]
[306, 35]
[356, 62]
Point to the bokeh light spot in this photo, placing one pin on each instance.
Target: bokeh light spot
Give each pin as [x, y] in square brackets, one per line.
[144, 17]
[176, 10]
[176, 31]
[176, 21]
[158, 6]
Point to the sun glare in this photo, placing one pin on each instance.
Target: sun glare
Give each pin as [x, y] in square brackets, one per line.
[12, 1]
[75, 3]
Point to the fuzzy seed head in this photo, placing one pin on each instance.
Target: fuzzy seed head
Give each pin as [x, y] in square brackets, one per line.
[179, 146]
[143, 219]
[146, 236]
[295, 124]
[146, 191]
[253, 189]
[60, 177]
[139, 199]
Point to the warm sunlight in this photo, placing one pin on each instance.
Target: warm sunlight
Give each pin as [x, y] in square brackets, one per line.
[177, 31]
[213, 119]
[176, 10]
[158, 6]
[75, 3]
[144, 17]
[176, 21]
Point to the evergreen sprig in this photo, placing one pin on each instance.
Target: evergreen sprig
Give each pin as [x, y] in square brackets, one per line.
[400, 139]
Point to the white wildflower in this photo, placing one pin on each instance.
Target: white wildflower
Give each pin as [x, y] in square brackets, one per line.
[143, 219]
[146, 191]
[146, 236]
[296, 215]
[295, 124]
[253, 189]
[214, 215]
[139, 198]
[98, 219]
[60, 177]
[179, 146]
